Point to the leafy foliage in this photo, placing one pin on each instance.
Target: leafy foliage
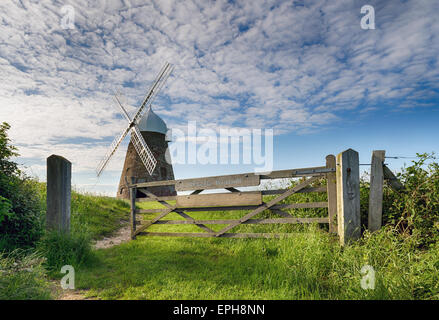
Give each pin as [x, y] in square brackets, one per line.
[7, 151]
[415, 211]
[21, 212]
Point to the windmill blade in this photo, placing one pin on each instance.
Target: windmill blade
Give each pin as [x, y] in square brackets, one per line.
[117, 99]
[154, 90]
[143, 150]
[114, 145]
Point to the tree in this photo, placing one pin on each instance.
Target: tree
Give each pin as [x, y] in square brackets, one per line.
[7, 151]
[21, 210]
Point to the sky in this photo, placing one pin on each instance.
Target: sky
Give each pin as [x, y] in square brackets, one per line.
[306, 69]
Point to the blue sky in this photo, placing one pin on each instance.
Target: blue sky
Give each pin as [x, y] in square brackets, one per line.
[306, 69]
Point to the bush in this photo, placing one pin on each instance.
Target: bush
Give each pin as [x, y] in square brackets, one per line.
[22, 277]
[415, 210]
[21, 212]
[61, 249]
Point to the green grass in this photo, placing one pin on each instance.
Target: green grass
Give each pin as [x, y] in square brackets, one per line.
[96, 215]
[310, 265]
[92, 217]
[22, 277]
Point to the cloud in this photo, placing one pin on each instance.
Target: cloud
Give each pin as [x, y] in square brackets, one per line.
[258, 64]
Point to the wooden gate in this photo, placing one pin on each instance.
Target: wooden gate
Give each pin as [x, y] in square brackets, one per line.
[234, 199]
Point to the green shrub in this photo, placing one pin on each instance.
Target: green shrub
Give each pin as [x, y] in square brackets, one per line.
[22, 277]
[22, 216]
[60, 248]
[415, 210]
[21, 212]
[5, 208]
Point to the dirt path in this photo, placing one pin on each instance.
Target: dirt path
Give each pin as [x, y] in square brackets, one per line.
[120, 236]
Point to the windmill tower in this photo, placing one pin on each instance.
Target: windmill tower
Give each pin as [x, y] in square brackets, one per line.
[141, 162]
[153, 130]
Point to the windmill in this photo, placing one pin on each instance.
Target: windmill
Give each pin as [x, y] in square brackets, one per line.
[137, 139]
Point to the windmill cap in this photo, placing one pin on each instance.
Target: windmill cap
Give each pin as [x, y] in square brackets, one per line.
[151, 122]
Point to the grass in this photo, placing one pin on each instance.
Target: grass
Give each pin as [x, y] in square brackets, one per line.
[22, 277]
[310, 265]
[23, 274]
[96, 215]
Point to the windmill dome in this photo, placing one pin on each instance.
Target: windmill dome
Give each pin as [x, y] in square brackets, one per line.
[151, 122]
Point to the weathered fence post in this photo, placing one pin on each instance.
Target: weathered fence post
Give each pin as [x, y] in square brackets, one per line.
[376, 190]
[133, 195]
[331, 187]
[59, 176]
[348, 196]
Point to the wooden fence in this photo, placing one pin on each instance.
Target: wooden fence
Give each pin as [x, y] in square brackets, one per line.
[342, 203]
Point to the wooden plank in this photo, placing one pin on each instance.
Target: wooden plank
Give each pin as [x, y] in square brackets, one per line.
[375, 214]
[218, 182]
[348, 196]
[305, 205]
[331, 189]
[291, 220]
[267, 205]
[226, 180]
[190, 219]
[393, 181]
[133, 192]
[151, 222]
[263, 192]
[302, 172]
[210, 235]
[304, 190]
[218, 199]
[170, 198]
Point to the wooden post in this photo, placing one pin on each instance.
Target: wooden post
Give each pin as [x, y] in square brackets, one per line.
[59, 175]
[331, 189]
[376, 190]
[348, 196]
[133, 195]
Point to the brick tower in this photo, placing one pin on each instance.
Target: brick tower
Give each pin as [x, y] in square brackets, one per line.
[153, 130]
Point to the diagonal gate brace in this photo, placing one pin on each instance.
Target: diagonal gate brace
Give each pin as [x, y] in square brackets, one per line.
[268, 205]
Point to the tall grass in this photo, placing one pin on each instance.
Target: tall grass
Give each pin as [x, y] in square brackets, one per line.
[22, 276]
[309, 265]
[60, 248]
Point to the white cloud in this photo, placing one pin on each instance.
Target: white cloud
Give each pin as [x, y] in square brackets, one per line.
[247, 64]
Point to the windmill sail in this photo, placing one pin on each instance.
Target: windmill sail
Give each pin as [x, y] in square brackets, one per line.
[142, 150]
[114, 145]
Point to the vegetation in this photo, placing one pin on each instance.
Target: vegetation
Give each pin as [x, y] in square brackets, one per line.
[22, 276]
[61, 249]
[310, 265]
[21, 212]
[415, 211]
[26, 251]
